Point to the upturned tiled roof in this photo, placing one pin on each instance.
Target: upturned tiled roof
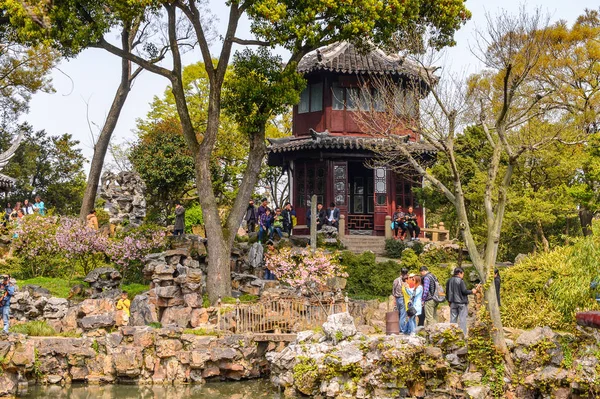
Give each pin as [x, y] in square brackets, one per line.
[344, 57]
[327, 141]
[6, 182]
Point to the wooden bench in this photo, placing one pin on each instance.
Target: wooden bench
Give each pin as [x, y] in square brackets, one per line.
[438, 233]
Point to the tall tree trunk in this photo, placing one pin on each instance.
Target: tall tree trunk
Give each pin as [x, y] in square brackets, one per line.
[585, 218]
[101, 146]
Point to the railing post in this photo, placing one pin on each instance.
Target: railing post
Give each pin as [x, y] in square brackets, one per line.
[443, 232]
[388, 227]
[346, 304]
[434, 233]
[342, 227]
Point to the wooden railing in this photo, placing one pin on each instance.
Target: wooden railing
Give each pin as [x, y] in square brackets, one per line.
[281, 316]
[438, 233]
[360, 222]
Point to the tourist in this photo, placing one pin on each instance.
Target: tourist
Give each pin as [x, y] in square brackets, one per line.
[429, 286]
[27, 208]
[124, 304]
[264, 205]
[497, 282]
[264, 225]
[269, 272]
[39, 206]
[399, 223]
[402, 298]
[250, 217]
[92, 220]
[7, 290]
[277, 225]
[288, 222]
[179, 227]
[294, 218]
[321, 216]
[412, 225]
[333, 216]
[415, 290]
[457, 294]
[15, 212]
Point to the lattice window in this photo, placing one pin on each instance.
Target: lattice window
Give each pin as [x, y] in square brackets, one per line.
[339, 173]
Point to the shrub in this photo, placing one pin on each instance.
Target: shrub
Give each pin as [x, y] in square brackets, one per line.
[557, 283]
[193, 217]
[368, 278]
[303, 269]
[394, 248]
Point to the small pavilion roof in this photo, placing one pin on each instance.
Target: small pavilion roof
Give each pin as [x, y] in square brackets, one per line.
[325, 140]
[345, 57]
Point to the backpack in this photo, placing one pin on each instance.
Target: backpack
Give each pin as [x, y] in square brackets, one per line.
[436, 291]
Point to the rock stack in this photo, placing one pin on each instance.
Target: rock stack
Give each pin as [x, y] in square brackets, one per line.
[124, 195]
[104, 282]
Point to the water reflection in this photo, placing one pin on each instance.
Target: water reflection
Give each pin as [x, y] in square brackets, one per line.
[258, 389]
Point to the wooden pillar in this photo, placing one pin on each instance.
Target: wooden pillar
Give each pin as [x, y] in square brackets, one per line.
[313, 222]
[388, 227]
[443, 232]
[342, 227]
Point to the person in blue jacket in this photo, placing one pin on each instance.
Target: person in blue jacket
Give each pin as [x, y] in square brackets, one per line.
[7, 290]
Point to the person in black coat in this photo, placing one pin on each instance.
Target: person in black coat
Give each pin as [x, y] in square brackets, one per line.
[321, 216]
[287, 218]
[497, 282]
[250, 217]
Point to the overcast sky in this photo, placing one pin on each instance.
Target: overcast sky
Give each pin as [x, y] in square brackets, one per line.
[93, 76]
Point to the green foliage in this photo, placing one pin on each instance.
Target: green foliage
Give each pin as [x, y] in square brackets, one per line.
[58, 287]
[203, 332]
[558, 283]
[134, 289]
[484, 356]
[367, 277]
[394, 248]
[193, 217]
[155, 324]
[39, 329]
[245, 298]
[49, 166]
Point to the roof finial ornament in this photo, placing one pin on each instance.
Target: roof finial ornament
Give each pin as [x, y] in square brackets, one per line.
[319, 55]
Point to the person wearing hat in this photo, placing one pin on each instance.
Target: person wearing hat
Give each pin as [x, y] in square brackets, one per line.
[7, 290]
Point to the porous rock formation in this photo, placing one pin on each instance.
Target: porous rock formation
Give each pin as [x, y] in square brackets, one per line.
[124, 196]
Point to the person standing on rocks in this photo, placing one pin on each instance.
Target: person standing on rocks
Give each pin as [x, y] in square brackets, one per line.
[7, 290]
[179, 220]
[457, 294]
[497, 283]
[402, 298]
[124, 304]
[430, 283]
[250, 217]
[415, 291]
[288, 221]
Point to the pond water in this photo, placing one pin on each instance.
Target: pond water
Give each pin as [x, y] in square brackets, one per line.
[256, 389]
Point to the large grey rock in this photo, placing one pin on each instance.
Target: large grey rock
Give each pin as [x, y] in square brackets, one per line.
[339, 326]
[142, 312]
[124, 196]
[104, 282]
[256, 255]
[538, 334]
[97, 321]
[478, 392]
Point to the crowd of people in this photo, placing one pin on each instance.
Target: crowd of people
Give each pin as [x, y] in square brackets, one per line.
[269, 222]
[419, 295]
[21, 209]
[405, 222]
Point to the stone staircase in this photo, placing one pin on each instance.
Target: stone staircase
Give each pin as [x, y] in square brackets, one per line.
[359, 244]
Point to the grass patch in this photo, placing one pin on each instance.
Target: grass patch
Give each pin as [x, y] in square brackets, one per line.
[243, 299]
[155, 324]
[41, 329]
[58, 287]
[203, 332]
[134, 289]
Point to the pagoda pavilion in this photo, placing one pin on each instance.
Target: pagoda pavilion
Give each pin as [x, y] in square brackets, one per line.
[331, 156]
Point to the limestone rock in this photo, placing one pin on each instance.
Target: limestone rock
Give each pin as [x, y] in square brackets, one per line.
[339, 326]
[142, 311]
[477, 392]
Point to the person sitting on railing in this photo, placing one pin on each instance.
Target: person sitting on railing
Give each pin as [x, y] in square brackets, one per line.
[399, 226]
[411, 224]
